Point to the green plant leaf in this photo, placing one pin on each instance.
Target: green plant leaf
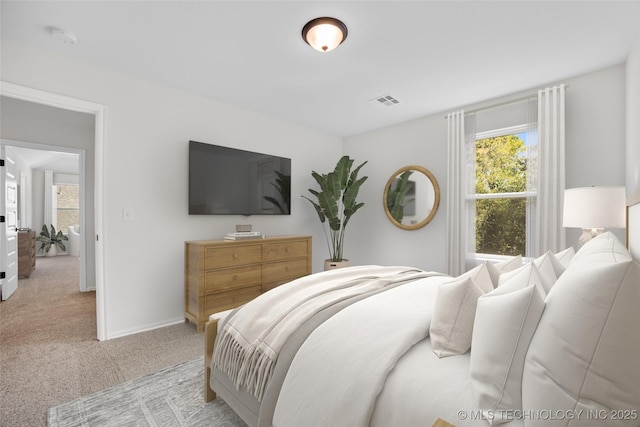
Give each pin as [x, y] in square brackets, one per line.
[329, 205]
[318, 209]
[349, 198]
[336, 202]
[342, 171]
[354, 175]
[320, 179]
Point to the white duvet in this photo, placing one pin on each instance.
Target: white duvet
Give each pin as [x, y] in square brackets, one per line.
[380, 371]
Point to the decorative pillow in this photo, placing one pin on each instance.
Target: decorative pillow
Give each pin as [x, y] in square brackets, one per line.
[565, 257]
[547, 265]
[505, 322]
[453, 315]
[605, 243]
[481, 276]
[584, 353]
[497, 268]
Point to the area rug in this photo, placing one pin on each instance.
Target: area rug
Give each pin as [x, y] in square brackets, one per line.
[170, 397]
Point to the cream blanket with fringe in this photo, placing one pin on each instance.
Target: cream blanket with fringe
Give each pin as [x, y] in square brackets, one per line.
[248, 345]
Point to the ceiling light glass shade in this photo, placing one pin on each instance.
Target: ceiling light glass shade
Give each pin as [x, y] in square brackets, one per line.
[594, 207]
[324, 34]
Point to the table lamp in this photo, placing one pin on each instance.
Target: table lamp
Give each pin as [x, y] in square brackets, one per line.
[593, 209]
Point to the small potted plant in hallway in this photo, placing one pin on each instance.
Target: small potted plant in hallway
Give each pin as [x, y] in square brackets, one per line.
[335, 204]
[51, 240]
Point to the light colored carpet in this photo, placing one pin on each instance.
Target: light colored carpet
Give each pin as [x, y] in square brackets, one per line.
[170, 397]
[49, 353]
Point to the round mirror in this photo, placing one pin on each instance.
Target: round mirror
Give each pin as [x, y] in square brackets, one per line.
[411, 197]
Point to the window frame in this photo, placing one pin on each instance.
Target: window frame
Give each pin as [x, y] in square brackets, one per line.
[530, 195]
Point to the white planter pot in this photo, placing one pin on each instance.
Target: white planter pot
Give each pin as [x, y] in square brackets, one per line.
[53, 251]
[331, 265]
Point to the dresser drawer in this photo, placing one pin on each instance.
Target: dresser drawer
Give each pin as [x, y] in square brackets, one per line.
[232, 278]
[216, 257]
[222, 301]
[286, 250]
[285, 270]
[220, 275]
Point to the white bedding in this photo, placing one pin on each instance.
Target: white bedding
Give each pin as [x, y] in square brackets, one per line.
[429, 387]
[249, 344]
[338, 375]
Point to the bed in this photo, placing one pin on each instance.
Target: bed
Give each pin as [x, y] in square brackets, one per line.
[550, 342]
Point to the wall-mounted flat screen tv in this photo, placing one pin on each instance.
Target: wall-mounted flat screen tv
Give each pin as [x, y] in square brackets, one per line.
[229, 181]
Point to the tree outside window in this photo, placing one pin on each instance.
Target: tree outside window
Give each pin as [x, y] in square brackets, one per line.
[501, 196]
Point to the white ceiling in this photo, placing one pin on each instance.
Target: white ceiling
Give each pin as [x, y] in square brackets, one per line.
[49, 160]
[432, 56]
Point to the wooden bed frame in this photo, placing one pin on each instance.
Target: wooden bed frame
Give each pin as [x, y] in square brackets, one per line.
[210, 334]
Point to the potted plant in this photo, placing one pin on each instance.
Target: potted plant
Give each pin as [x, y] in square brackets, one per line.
[50, 241]
[335, 204]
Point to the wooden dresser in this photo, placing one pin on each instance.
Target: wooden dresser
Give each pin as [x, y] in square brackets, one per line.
[220, 275]
[26, 253]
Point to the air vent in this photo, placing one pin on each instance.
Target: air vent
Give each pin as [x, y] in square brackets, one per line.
[386, 100]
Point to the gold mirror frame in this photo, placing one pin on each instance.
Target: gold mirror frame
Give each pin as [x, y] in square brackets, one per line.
[436, 201]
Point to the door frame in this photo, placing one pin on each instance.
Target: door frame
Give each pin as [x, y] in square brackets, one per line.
[99, 112]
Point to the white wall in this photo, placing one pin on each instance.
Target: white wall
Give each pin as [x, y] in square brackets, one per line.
[148, 127]
[595, 117]
[147, 130]
[633, 124]
[371, 237]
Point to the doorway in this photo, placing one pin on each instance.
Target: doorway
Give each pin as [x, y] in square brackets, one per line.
[93, 178]
[43, 172]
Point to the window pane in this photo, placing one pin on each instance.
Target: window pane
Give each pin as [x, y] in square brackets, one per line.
[501, 165]
[501, 226]
[68, 203]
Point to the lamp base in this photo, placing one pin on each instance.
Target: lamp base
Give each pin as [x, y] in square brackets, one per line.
[588, 234]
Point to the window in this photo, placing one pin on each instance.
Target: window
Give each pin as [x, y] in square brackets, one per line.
[486, 207]
[67, 206]
[502, 202]
[501, 197]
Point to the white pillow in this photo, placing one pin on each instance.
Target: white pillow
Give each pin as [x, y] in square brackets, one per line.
[453, 315]
[605, 243]
[584, 353]
[547, 266]
[564, 257]
[505, 322]
[497, 268]
[481, 276]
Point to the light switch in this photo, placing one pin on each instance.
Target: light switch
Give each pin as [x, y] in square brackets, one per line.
[127, 214]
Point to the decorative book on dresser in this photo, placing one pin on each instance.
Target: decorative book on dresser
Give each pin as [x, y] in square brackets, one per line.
[220, 275]
[26, 253]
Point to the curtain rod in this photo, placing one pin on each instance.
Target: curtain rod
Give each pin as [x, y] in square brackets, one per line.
[500, 104]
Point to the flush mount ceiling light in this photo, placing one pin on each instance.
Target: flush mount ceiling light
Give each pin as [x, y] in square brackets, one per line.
[324, 34]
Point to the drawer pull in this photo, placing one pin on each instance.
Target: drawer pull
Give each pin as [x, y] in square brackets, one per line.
[287, 250]
[235, 256]
[234, 278]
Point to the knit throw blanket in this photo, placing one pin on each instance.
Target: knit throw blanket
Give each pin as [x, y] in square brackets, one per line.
[248, 345]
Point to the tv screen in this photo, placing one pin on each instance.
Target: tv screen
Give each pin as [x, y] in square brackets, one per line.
[228, 181]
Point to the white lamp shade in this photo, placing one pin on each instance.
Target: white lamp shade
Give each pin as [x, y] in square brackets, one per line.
[594, 207]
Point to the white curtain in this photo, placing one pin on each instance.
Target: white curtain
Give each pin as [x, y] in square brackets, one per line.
[532, 176]
[461, 163]
[549, 233]
[49, 198]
